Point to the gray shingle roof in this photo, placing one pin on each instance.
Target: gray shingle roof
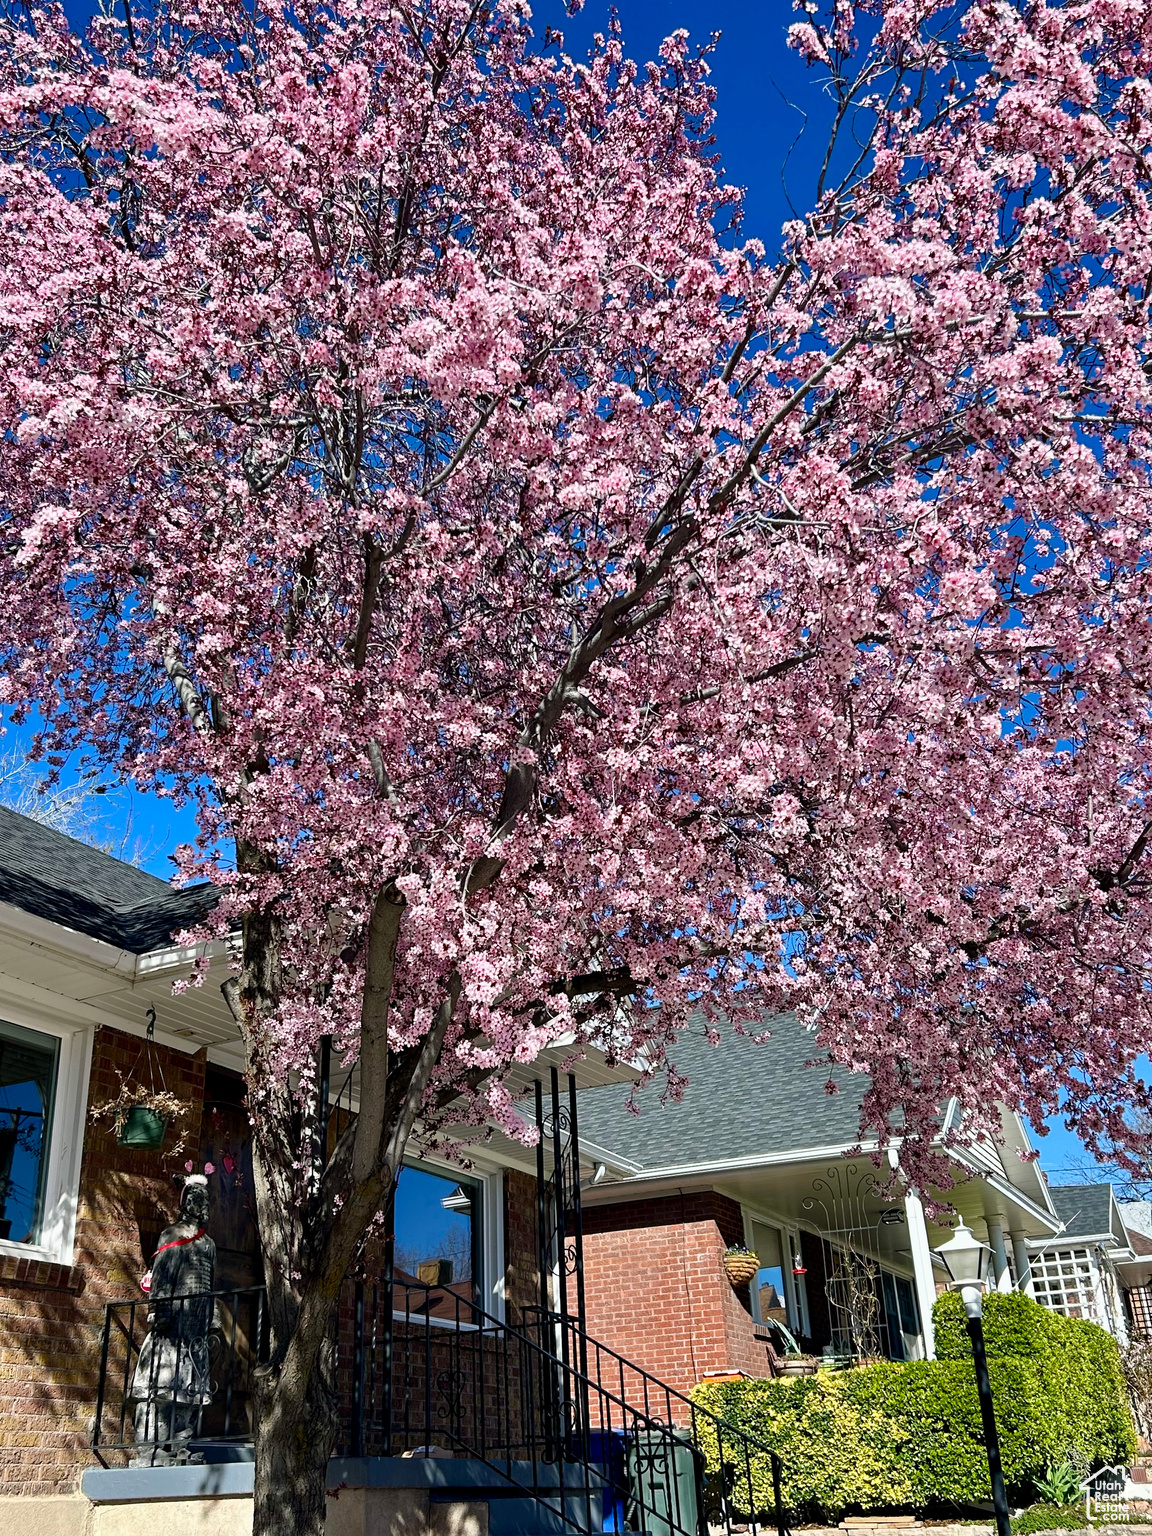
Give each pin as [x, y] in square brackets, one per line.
[1085, 1209]
[742, 1100]
[68, 882]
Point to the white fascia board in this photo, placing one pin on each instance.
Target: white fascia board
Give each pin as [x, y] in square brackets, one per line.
[37, 932]
[591, 1152]
[179, 957]
[1079, 1240]
[1009, 1191]
[1017, 1120]
[1009, 1118]
[715, 1169]
[28, 928]
[718, 1169]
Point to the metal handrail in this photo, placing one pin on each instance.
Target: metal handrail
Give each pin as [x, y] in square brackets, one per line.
[670, 1394]
[566, 1416]
[630, 1376]
[182, 1379]
[480, 1385]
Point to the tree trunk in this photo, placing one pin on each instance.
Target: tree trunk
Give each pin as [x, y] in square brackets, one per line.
[314, 1208]
[295, 1435]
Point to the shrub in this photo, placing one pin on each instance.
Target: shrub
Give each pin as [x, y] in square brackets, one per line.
[1136, 1363]
[909, 1435]
[1050, 1517]
[1089, 1420]
[1014, 1325]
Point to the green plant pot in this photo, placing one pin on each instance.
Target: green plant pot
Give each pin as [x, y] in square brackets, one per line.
[143, 1128]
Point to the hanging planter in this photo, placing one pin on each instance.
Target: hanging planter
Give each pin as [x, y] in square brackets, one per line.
[741, 1266]
[143, 1127]
[141, 1113]
[140, 1116]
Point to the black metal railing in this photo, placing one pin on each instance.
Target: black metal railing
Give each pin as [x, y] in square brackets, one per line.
[176, 1374]
[742, 1476]
[559, 1419]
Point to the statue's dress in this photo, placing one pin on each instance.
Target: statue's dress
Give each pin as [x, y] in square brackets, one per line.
[173, 1366]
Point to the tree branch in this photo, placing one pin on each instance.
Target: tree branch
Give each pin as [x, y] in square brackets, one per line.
[379, 973]
[181, 679]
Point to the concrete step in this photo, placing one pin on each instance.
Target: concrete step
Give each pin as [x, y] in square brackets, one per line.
[517, 1517]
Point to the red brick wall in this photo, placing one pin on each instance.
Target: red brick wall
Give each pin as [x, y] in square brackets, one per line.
[656, 1288]
[51, 1315]
[521, 1244]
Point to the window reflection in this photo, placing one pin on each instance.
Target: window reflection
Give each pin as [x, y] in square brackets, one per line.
[27, 1087]
[770, 1279]
[437, 1225]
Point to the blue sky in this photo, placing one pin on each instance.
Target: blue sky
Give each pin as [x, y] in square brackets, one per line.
[771, 130]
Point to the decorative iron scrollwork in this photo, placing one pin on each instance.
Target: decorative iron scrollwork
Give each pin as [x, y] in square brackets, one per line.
[848, 1204]
[450, 1386]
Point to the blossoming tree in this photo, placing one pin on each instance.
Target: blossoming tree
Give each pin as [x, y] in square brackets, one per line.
[405, 457]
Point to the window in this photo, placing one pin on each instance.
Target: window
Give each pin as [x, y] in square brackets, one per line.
[44, 1066]
[28, 1070]
[770, 1289]
[439, 1241]
[1062, 1279]
[901, 1316]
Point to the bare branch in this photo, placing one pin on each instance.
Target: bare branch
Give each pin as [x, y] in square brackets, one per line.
[181, 679]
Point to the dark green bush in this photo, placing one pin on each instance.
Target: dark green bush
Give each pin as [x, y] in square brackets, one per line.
[1050, 1517]
[1014, 1325]
[892, 1436]
[1079, 1364]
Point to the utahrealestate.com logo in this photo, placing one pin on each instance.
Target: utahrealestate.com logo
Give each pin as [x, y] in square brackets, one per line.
[1106, 1496]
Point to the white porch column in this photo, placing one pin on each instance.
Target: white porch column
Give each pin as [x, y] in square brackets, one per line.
[922, 1267]
[1023, 1264]
[999, 1253]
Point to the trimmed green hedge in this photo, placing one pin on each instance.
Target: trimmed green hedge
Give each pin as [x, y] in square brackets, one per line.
[909, 1436]
[1014, 1325]
[1079, 1365]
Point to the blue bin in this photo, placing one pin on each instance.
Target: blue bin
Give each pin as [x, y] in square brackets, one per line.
[606, 1449]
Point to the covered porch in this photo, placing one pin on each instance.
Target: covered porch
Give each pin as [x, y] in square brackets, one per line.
[847, 1270]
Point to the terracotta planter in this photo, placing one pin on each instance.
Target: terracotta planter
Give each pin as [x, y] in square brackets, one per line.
[741, 1268]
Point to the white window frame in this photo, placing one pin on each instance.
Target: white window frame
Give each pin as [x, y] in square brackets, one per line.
[491, 1181]
[794, 1302]
[66, 1141]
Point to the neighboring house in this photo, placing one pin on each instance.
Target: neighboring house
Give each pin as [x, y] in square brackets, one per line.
[1088, 1266]
[755, 1154]
[87, 961]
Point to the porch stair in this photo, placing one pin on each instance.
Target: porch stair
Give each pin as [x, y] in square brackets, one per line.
[517, 1494]
[543, 1430]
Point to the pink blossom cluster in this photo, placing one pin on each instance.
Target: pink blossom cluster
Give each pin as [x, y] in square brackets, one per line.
[406, 458]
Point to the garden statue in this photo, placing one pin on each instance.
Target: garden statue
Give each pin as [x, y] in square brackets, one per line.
[172, 1381]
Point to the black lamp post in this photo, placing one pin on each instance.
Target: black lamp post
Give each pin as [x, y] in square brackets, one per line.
[965, 1257]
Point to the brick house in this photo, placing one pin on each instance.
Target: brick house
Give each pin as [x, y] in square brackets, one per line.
[756, 1155]
[87, 962]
